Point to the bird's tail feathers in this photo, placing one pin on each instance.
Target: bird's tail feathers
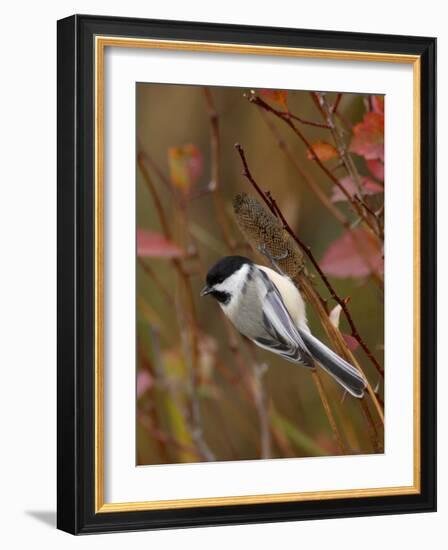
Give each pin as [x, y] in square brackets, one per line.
[345, 374]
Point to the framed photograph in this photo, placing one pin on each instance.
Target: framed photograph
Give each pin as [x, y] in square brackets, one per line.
[246, 274]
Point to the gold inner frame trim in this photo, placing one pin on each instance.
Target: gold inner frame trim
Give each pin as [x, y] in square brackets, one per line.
[101, 42]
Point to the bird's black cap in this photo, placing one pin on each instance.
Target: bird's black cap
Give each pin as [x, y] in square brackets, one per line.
[224, 268]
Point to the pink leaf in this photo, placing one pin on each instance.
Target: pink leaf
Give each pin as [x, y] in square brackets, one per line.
[368, 137]
[369, 187]
[186, 165]
[144, 382]
[351, 342]
[355, 254]
[155, 245]
[376, 167]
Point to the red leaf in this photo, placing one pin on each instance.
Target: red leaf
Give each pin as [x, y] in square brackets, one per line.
[376, 167]
[355, 254]
[368, 137]
[155, 245]
[323, 150]
[369, 187]
[186, 164]
[378, 104]
[144, 382]
[277, 96]
[351, 342]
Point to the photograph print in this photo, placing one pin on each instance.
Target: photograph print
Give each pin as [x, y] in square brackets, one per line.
[259, 274]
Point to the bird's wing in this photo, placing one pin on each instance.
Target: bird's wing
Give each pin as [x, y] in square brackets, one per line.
[284, 338]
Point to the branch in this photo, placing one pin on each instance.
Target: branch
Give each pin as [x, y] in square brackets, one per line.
[334, 108]
[150, 272]
[196, 430]
[248, 175]
[322, 197]
[253, 389]
[283, 116]
[216, 169]
[273, 207]
[343, 349]
[332, 330]
[346, 159]
[193, 322]
[190, 350]
[329, 286]
[145, 157]
[154, 195]
[326, 404]
[288, 114]
[155, 420]
[310, 182]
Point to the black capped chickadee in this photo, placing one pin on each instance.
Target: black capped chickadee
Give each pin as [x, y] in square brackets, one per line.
[267, 308]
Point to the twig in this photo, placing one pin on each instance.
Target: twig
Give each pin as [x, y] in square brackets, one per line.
[249, 384]
[273, 207]
[190, 354]
[145, 157]
[310, 182]
[257, 393]
[263, 250]
[164, 383]
[340, 301]
[306, 122]
[262, 104]
[150, 272]
[318, 192]
[193, 324]
[346, 159]
[216, 168]
[303, 281]
[334, 107]
[154, 195]
[324, 399]
[247, 174]
[373, 214]
[344, 120]
[335, 336]
[260, 399]
[155, 420]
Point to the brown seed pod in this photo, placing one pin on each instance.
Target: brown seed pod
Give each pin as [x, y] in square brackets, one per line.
[265, 232]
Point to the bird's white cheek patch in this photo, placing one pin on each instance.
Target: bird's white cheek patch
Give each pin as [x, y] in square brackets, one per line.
[234, 284]
[230, 308]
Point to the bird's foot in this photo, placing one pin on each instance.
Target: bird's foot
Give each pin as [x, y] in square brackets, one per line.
[262, 248]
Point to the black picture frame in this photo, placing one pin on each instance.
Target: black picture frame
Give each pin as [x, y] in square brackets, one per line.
[76, 225]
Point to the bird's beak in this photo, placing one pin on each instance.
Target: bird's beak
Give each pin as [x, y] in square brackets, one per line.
[206, 290]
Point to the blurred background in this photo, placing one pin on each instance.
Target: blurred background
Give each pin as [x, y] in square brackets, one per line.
[203, 393]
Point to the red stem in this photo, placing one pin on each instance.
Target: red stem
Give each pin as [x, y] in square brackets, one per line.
[336, 103]
[284, 116]
[274, 208]
[248, 175]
